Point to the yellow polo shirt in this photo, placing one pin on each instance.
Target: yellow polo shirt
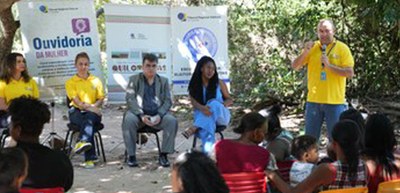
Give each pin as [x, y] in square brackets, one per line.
[331, 90]
[87, 90]
[17, 88]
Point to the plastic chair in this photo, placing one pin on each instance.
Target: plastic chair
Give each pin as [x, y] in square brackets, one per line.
[389, 186]
[246, 182]
[348, 190]
[151, 130]
[42, 190]
[218, 130]
[284, 169]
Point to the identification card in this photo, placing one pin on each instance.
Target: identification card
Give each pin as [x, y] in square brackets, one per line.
[323, 75]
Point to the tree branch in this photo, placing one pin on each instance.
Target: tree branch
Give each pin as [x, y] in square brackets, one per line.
[9, 27]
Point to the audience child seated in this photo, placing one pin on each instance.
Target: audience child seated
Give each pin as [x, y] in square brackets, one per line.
[47, 168]
[278, 140]
[13, 169]
[195, 172]
[210, 98]
[85, 91]
[348, 171]
[380, 143]
[14, 82]
[244, 154]
[305, 150]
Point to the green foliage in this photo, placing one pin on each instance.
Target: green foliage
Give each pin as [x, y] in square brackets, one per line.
[265, 36]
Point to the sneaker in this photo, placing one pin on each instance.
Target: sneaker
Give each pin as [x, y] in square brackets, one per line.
[82, 147]
[163, 160]
[88, 164]
[132, 161]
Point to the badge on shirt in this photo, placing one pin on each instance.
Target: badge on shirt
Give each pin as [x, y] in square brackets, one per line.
[323, 75]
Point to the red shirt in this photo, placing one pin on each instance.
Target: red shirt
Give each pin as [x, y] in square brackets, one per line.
[378, 177]
[235, 157]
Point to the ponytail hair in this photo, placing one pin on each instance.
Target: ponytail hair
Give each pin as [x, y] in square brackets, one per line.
[346, 134]
[274, 124]
[250, 122]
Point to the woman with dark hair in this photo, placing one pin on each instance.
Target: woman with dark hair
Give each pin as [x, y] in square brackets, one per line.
[278, 140]
[244, 154]
[210, 98]
[356, 116]
[380, 143]
[348, 171]
[85, 91]
[13, 169]
[194, 172]
[14, 82]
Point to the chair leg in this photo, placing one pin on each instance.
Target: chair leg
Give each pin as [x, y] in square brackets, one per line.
[66, 143]
[158, 143]
[194, 141]
[221, 134]
[97, 145]
[102, 147]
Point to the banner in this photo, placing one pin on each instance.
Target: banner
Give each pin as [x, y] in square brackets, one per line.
[131, 32]
[196, 32]
[53, 32]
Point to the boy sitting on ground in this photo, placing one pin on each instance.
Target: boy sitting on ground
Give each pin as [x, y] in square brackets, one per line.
[305, 150]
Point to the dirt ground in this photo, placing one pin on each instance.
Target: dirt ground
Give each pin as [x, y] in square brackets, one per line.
[115, 175]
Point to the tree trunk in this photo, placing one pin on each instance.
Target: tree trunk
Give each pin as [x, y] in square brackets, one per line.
[9, 27]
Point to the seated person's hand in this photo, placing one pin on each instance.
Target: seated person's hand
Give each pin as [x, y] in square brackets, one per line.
[206, 111]
[228, 102]
[94, 109]
[146, 120]
[156, 119]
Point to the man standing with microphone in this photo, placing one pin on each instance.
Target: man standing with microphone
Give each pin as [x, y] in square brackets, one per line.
[329, 62]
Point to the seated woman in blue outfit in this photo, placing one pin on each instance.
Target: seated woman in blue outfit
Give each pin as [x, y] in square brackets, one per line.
[210, 98]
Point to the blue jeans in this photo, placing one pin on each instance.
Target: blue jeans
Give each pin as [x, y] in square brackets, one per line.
[85, 120]
[315, 115]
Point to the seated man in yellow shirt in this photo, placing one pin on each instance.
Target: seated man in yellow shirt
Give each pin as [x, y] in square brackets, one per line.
[86, 94]
[329, 62]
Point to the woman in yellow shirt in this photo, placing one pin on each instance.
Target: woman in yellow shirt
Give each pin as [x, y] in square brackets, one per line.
[14, 82]
[86, 94]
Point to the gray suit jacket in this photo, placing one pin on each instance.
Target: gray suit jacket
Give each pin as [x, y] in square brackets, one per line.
[135, 93]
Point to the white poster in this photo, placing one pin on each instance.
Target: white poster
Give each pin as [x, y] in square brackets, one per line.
[198, 31]
[53, 32]
[131, 32]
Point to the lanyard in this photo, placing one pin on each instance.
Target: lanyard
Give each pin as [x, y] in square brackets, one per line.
[334, 44]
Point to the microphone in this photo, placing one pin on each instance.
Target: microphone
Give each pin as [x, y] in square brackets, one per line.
[323, 50]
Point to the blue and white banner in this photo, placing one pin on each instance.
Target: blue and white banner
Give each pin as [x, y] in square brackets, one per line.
[53, 32]
[196, 32]
[131, 32]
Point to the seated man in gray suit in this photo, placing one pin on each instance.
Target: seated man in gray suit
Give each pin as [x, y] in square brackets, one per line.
[149, 99]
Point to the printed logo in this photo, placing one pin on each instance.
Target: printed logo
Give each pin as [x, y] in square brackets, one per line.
[43, 8]
[201, 42]
[80, 25]
[182, 16]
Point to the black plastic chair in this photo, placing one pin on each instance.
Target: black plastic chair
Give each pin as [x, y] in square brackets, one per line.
[218, 130]
[98, 142]
[73, 129]
[151, 130]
